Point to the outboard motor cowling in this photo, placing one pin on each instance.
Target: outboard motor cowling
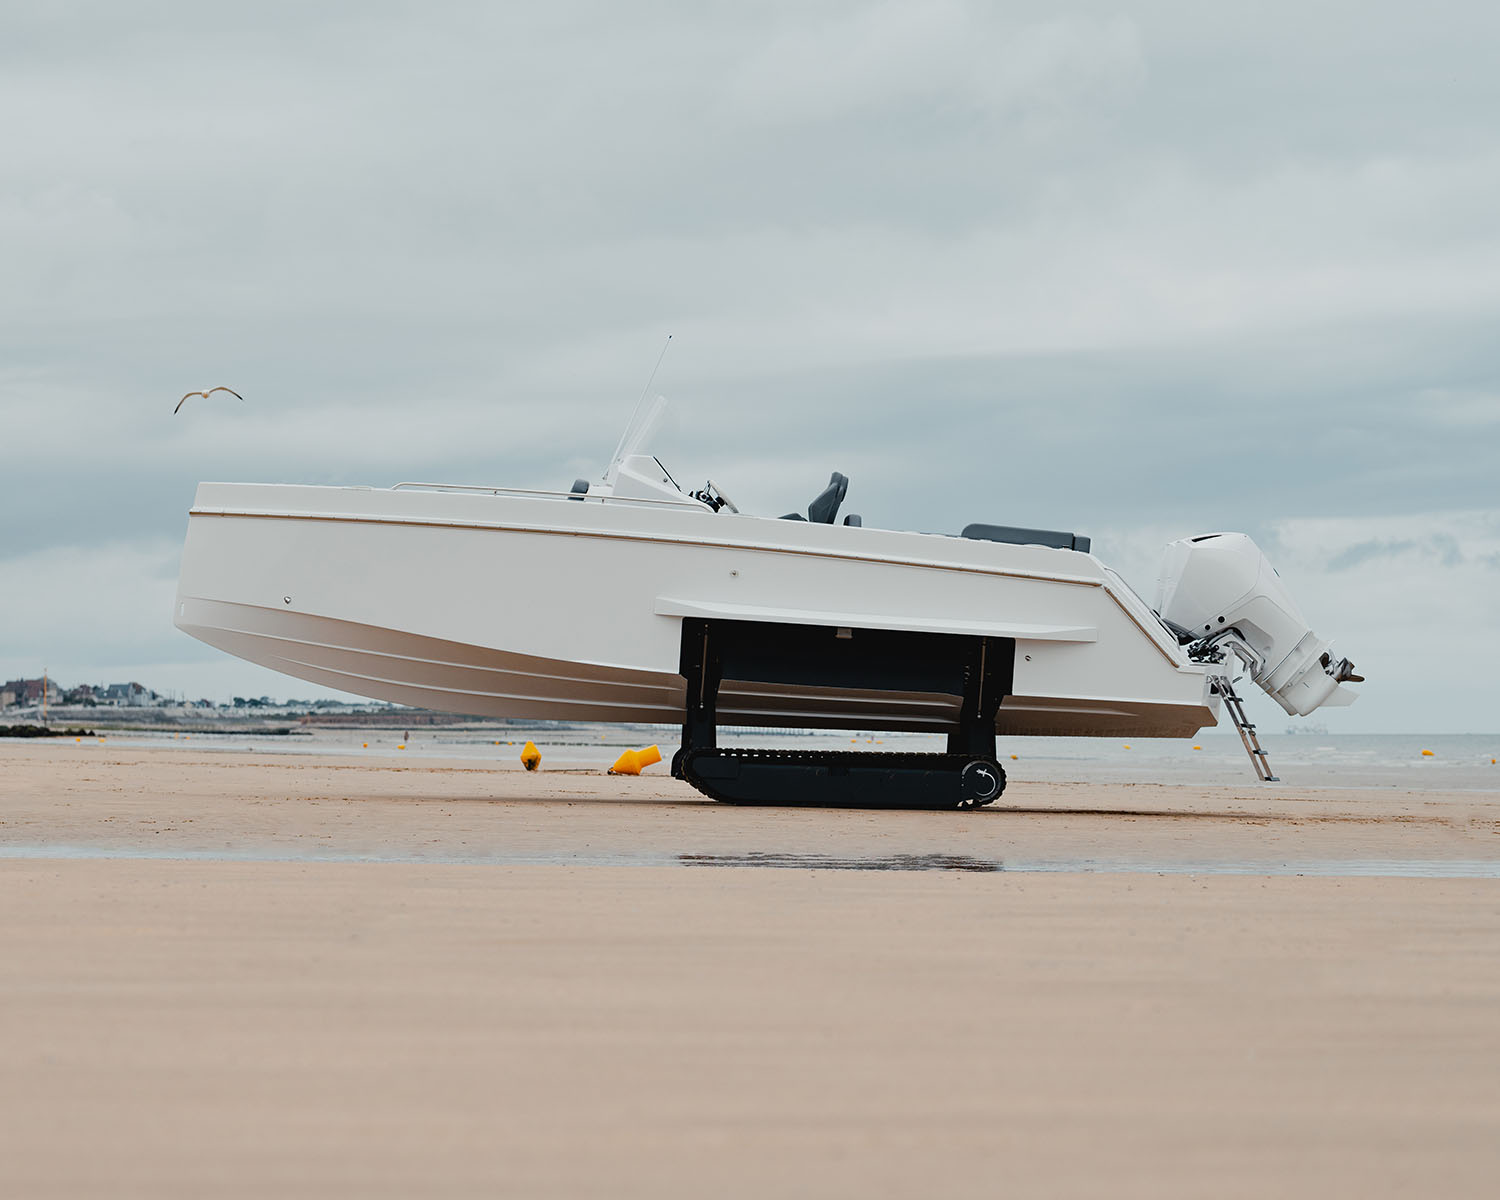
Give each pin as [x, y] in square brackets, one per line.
[1221, 588]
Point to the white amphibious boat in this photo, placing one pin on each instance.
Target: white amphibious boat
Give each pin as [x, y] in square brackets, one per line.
[631, 600]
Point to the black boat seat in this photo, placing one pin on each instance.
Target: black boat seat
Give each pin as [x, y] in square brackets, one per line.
[1015, 536]
[825, 509]
[854, 519]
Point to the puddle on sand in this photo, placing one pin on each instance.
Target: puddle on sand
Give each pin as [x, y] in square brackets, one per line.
[1447, 868]
[828, 862]
[1329, 868]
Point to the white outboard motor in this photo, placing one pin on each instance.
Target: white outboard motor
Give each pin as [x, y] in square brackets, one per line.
[1220, 589]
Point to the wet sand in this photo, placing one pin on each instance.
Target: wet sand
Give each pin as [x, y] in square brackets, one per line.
[537, 988]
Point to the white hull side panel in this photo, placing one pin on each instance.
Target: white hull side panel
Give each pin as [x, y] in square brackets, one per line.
[548, 609]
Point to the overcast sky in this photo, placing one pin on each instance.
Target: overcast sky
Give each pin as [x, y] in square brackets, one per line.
[1139, 270]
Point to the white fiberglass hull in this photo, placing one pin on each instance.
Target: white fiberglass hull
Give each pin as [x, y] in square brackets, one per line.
[507, 605]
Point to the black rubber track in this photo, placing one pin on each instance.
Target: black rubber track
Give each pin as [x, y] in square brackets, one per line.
[842, 779]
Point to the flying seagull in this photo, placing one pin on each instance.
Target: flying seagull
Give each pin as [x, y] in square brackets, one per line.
[209, 393]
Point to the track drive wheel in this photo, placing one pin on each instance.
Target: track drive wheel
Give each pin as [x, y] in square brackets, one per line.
[980, 783]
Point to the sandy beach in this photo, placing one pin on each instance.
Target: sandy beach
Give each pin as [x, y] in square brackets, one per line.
[246, 974]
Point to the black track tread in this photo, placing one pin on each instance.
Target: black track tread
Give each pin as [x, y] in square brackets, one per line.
[926, 768]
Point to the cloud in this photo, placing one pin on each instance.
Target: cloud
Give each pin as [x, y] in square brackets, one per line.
[1457, 410]
[1441, 547]
[884, 58]
[101, 605]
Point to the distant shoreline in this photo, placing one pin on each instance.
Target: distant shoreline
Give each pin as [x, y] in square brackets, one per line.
[254, 721]
[42, 731]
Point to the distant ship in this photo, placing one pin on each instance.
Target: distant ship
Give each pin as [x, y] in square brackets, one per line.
[630, 599]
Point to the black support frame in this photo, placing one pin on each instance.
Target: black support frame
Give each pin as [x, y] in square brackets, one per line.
[977, 670]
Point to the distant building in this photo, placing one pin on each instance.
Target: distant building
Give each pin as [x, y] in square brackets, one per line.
[7, 697]
[29, 692]
[126, 695]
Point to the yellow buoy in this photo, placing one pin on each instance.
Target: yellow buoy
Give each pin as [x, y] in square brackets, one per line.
[1428, 754]
[1014, 757]
[633, 761]
[531, 757]
[1127, 745]
[628, 763]
[366, 745]
[1197, 747]
[400, 745]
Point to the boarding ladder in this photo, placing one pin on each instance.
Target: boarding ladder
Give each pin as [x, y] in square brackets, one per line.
[1246, 728]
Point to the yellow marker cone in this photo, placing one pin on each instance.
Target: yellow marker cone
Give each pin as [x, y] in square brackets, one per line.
[632, 761]
[531, 757]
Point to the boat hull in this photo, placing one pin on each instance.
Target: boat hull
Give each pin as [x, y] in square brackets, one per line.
[531, 608]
